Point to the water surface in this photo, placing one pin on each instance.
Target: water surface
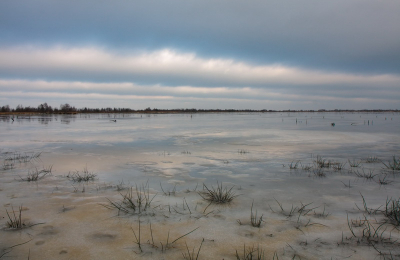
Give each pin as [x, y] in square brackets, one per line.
[250, 152]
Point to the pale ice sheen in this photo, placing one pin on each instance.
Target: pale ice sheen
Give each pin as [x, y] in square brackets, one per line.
[175, 154]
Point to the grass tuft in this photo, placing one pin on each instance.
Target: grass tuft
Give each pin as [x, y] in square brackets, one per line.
[306, 167]
[294, 165]
[354, 163]
[7, 165]
[338, 166]
[393, 165]
[367, 175]
[24, 158]
[218, 195]
[131, 203]
[392, 211]
[383, 181]
[37, 174]
[85, 176]
[322, 163]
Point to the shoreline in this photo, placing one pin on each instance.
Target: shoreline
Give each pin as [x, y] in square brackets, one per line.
[200, 112]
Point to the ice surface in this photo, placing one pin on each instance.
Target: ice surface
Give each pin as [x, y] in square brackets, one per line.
[306, 213]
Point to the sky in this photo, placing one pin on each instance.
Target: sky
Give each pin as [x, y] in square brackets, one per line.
[219, 54]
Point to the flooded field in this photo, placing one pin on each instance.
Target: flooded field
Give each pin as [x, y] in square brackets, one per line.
[201, 186]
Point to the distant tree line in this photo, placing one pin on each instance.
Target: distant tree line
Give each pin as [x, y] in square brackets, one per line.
[68, 109]
[42, 108]
[64, 108]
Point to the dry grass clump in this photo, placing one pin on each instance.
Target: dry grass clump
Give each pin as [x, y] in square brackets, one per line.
[306, 167]
[393, 165]
[218, 195]
[294, 165]
[7, 165]
[131, 203]
[354, 163]
[9, 162]
[85, 176]
[367, 175]
[383, 181]
[392, 211]
[368, 232]
[323, 163]
[23, 158]
[338, 166]
[37, 174]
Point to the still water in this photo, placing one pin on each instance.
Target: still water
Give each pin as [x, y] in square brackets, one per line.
[248, 145]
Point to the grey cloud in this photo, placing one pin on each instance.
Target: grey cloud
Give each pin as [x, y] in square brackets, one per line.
[168, 67]
[360, 35]
[156, 96]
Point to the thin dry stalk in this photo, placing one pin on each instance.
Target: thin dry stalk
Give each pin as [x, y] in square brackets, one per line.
[137, 238]
[369, 211]
[250, 253]
[166, 245]
[168, 192]
[192, 255]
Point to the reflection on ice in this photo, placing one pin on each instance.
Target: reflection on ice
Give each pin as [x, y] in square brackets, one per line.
[323, 191]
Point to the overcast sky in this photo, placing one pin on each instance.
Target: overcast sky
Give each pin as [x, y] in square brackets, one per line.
[270, 54]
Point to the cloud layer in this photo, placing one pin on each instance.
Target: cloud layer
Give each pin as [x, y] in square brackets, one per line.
[166, 67]
[168, 75]
[224, 53]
